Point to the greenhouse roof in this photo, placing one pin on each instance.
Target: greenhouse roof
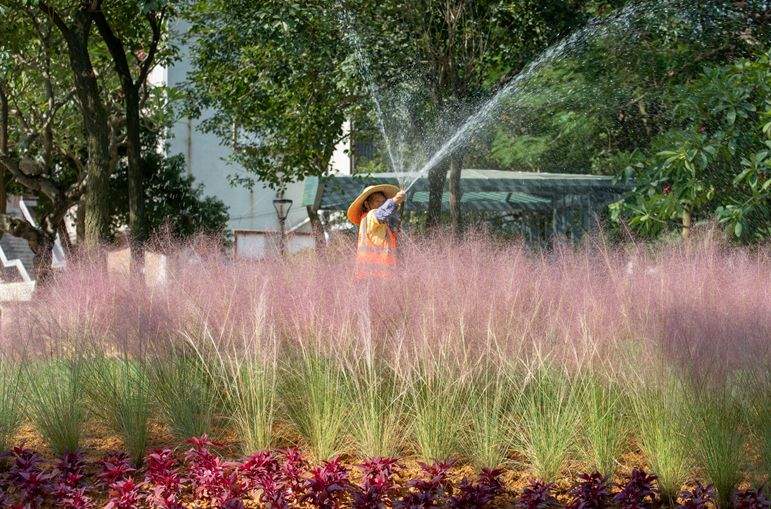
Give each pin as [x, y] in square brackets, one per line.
[483, 190]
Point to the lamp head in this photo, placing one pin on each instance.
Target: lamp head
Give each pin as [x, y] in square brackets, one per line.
[282, 206]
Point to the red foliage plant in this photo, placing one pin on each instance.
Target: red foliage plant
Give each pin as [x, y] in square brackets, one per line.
[328, 485]
[537, 495]
[591, 492]
[698, 497]
[639, 491]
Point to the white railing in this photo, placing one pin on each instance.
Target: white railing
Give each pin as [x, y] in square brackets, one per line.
[14, 264]
[59, 260]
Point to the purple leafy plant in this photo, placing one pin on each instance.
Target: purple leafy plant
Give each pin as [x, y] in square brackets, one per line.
[274, 495]
[293, 471]
[114, 467]
[480, 494]
[378, 485]
[751, 499]
[592, 491]
[70, 472]
[70, 469]
[124, 494]
[263, 471]
[698, 497]
[27, 479]
[259, 468]
[163, 480]
[75, 498]
[639, 491]
[213, 480]
[328, 485]
[433, 490]
[537, 495]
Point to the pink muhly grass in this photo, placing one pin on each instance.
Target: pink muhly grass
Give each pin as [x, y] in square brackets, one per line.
[699, 309]
[469, 298]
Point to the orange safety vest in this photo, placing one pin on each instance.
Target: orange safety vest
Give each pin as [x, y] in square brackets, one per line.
[373, 261]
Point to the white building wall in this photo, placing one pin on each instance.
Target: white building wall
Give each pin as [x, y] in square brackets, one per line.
[206, 159]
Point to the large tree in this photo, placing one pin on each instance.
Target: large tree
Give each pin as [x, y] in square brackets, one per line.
[270, 73]
[75, 23]
[42, 151]
[132, 31]
[46, 148]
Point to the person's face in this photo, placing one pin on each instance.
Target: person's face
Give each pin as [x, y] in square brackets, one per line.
[375, 200]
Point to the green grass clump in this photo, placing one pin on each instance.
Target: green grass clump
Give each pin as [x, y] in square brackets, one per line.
[438, 405]
[118, 391]
[378, 409]
[315, 389]
[547, 420]
[10, 402]
[604, 431]
[183, 391]
[662, 431]
[248, 388]
[251, 398]
[755, 400]
[491, 397]
[56, 403]
[242, 370]
[718, 438]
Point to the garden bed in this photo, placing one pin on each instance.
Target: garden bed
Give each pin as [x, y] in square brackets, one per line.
[545, 366]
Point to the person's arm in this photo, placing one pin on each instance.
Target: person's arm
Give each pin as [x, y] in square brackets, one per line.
[385, 211]
[390, 207]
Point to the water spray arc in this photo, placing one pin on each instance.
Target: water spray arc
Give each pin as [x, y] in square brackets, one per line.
[397, 162]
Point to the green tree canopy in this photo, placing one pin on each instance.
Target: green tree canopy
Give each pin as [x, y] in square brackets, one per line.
[714, 162]
[270, 72]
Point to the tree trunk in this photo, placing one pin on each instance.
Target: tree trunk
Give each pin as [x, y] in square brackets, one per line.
[131, 88]
[97, 214]
[455, 196]
[3, 149]
[80, 222]
[136, 191]
[43, 258]
[97, 219]
[436, 177]
[318, 230]
[64, 238]
[687, 223]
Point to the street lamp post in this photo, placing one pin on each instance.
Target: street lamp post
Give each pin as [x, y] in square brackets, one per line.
[282, 206]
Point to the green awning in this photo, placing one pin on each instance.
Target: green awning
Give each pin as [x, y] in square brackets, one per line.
[492, 201]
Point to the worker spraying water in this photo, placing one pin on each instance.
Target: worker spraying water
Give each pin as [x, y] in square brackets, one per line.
[376, 212]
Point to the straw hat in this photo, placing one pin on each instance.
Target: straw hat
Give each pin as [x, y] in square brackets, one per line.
[356, 210]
